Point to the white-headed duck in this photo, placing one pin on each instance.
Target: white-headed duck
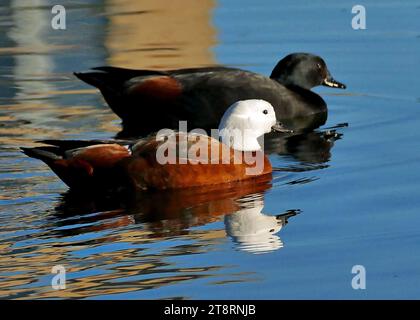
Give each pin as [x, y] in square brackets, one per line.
[168, 160]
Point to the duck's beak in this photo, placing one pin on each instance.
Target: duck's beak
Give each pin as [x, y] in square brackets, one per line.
[279, 127]
[331, 82]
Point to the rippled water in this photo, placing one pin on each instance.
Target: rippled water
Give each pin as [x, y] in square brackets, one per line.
[350, 194]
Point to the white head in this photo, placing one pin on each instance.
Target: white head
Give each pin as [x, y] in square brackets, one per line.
[245, 121]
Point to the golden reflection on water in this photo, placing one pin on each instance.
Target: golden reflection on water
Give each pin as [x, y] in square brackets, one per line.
[109, 246]
[146, 34]
[38, 101]
[160, 34]
[134, 262]
[77, 233]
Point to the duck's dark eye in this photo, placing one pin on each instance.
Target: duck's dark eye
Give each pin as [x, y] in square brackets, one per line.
[319, 66]
[265, 111]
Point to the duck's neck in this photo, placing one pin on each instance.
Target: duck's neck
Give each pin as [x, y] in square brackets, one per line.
[290, 84]
[241, 140]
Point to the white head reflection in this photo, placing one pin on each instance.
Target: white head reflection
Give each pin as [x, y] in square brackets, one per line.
[253, 231]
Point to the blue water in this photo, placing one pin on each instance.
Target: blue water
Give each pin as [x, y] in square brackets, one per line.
[358, 205]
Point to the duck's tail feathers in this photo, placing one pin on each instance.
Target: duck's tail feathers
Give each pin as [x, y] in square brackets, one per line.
[74, 175]
[108, 78]
[47, 154]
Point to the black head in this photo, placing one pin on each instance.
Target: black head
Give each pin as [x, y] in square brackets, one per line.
[304, 70]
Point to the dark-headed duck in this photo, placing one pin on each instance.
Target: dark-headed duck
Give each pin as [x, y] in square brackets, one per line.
[148, 100]
[168, 159]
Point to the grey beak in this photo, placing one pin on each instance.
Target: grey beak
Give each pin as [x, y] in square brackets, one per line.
[279, 127]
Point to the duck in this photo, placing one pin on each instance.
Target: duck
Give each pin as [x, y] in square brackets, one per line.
[168, 159]
[148, 100]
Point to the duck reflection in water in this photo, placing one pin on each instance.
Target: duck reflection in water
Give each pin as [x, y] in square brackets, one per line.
[308, 148]
[254, 231]
[162, 215]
